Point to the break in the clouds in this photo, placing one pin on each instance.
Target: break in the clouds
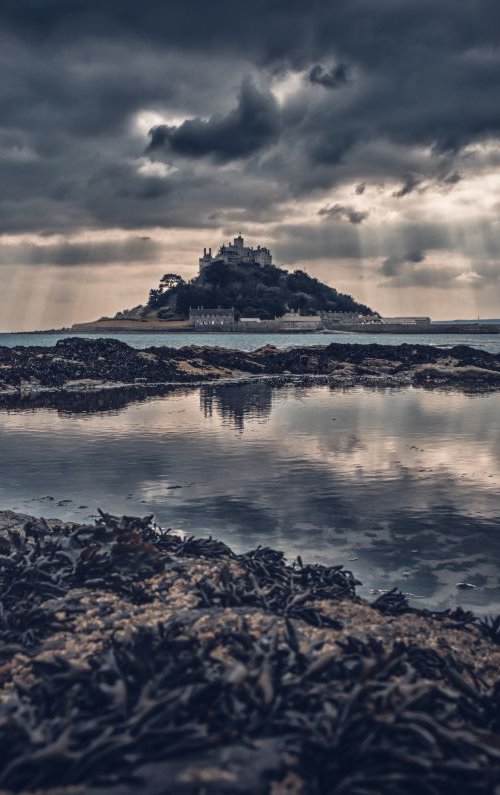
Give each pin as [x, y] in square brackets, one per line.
[345, 135]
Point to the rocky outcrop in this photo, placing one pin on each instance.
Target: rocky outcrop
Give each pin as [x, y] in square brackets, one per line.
[133, 660]
[82, 365]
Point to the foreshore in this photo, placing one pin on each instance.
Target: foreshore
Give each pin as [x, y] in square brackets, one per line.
[82, 365]
[110, 327]
[134, 660]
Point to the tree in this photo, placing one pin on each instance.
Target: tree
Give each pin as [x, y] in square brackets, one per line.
[169, 284]
[169, 281]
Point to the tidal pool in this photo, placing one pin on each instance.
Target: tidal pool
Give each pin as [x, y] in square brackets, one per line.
[401, 486]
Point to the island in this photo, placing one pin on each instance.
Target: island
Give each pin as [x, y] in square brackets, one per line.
[240, 290]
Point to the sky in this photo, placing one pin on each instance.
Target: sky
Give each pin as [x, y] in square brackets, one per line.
[358, 139]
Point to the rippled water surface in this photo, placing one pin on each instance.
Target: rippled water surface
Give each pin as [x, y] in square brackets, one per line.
[401, 486]
[250, 342]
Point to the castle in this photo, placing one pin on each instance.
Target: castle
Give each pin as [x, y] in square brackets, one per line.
[235, 253]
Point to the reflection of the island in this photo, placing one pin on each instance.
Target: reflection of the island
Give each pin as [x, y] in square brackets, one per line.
[234, 402]
[406, 482]
[231, 401]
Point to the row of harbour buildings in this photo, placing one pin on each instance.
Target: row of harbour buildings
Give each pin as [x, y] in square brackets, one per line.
[225, 320]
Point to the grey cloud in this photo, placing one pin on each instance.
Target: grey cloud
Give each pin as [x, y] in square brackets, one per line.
[336, 77]
[451, 179]
[360, 189]
[483, 274]
[405, 272]
[434, 277]
[69, 253]
[411, 181]
[394, 265]
[253, 124]
[401, 243]
[344, 213]
[426, 80]
[361, 29]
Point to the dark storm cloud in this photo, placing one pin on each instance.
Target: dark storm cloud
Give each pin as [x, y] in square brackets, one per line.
[422, 75]
[335, 77]
[291, 29]
[344, 213]
[252, 125]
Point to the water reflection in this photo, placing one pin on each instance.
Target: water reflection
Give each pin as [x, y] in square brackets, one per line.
[401, 486]
[233, 402]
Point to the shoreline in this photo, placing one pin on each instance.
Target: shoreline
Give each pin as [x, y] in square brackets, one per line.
[173, 665]
[83, 365]
[436, 328]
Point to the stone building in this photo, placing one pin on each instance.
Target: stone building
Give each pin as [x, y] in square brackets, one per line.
[236, 253]
[343, 318]
[294, 321]
[211, 318]
[406, 321]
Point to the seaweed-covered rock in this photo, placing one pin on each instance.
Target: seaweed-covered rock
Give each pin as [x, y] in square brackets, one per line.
[133, 660]
[78, 364]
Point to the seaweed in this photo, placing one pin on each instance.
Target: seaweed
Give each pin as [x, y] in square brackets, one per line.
[245, 707]
[490, 627]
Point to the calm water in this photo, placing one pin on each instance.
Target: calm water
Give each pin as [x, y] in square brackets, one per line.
[249, 342]
[401, 486]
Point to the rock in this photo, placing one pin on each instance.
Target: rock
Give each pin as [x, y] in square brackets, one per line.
[78, 364]
[135, 661]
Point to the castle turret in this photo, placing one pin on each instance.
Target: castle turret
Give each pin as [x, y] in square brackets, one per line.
[206, 259]
[237, 253]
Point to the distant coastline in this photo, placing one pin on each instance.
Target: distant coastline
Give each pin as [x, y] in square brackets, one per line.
[182, 327]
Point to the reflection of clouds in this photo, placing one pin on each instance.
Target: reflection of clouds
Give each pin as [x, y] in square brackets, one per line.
[431, 434]
[399, 479]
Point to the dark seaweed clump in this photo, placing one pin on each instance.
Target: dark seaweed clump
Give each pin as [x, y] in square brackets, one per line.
[170, 710]
[111, 360]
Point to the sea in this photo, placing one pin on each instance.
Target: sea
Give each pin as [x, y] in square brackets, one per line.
[401, 486]
[247, 342]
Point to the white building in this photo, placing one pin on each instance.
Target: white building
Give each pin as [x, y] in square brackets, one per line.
[294, 321]
[406, 321]
[236, 252]
[343, 318]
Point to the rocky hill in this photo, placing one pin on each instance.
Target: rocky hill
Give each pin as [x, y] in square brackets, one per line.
[252, 290]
